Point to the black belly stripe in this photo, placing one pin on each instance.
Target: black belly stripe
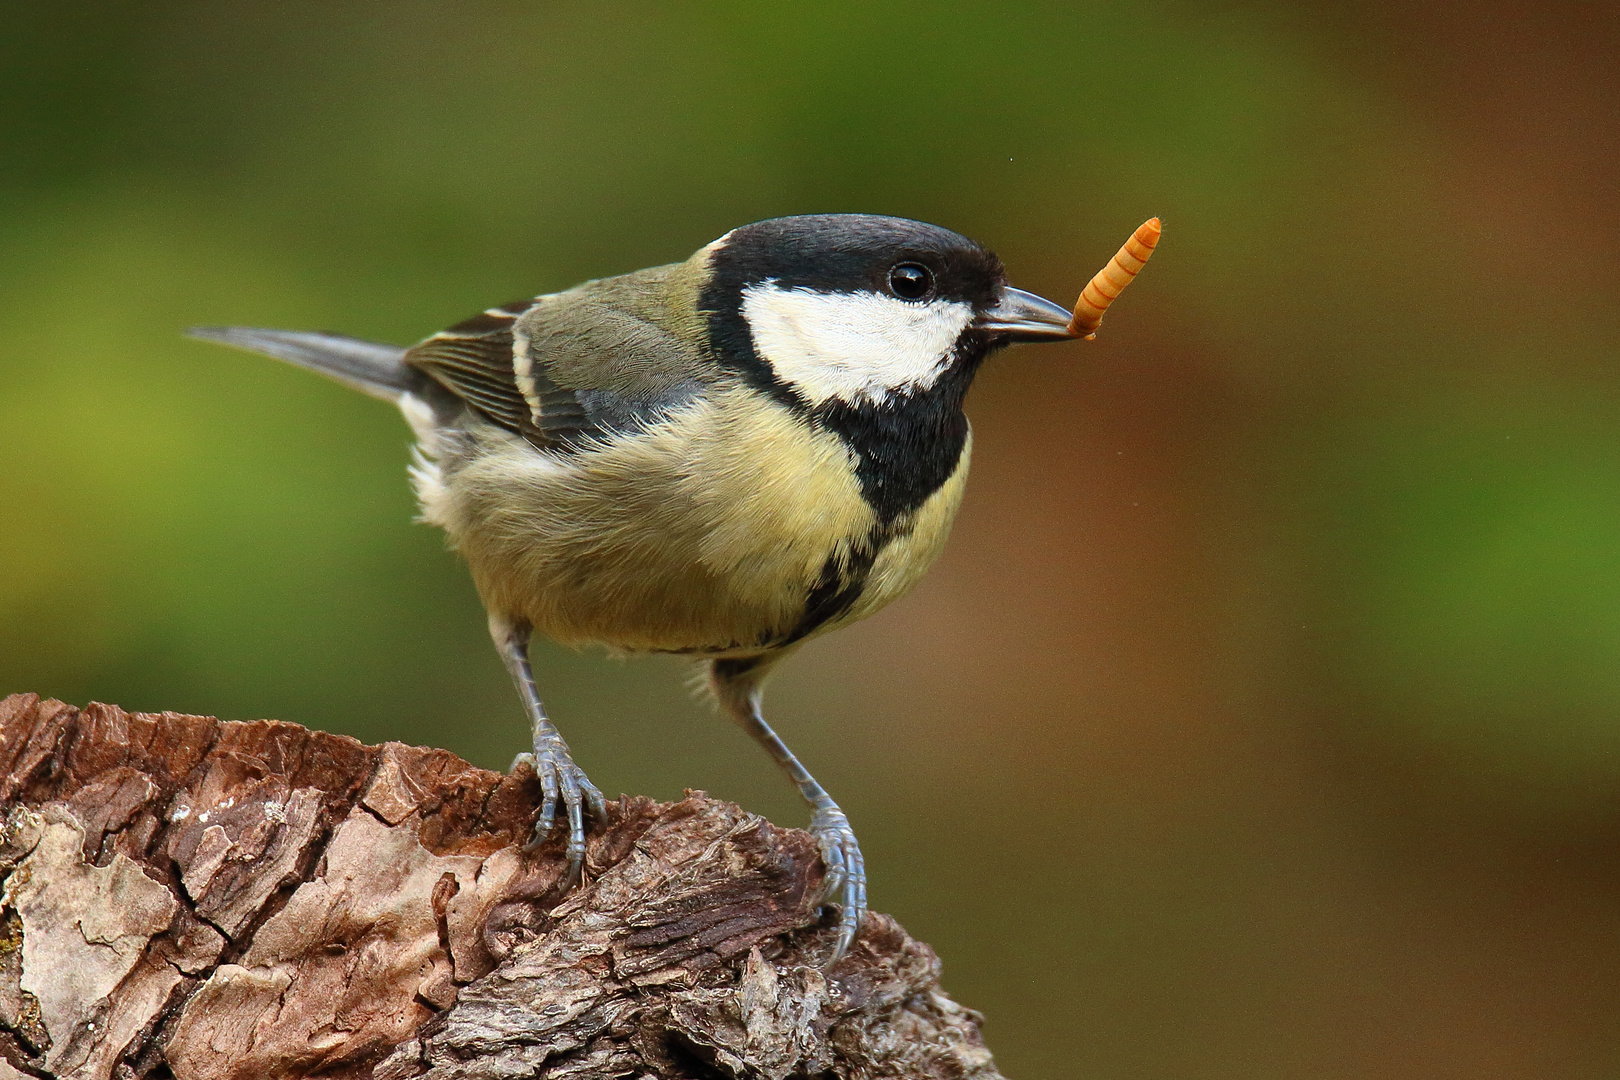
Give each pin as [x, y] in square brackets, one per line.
[836, 589]
[905, 449]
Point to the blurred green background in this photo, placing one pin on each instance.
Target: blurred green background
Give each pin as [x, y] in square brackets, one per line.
[1263, 717]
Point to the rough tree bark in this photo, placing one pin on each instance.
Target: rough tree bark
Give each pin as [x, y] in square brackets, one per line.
[243, 901]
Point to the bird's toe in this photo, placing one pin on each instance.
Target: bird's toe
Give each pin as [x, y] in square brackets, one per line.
[845, 883]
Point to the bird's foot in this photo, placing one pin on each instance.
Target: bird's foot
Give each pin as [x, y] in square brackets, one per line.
[561, 781]
[846, 874]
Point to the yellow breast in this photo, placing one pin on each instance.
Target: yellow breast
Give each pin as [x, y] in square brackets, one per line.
[703, 533]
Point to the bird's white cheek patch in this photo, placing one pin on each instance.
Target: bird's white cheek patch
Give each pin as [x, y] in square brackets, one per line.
[852, 346]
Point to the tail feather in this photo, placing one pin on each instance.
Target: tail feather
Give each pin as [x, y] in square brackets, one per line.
[366, 366]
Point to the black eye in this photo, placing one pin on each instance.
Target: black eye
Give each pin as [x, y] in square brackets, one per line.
[911, 281]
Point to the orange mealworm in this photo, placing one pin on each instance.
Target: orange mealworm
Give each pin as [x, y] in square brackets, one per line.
[1111, 280]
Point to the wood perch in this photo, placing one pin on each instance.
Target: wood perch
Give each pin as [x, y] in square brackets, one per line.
[208, 900]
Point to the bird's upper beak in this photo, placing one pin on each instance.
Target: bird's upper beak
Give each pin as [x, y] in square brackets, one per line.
[1023, 316]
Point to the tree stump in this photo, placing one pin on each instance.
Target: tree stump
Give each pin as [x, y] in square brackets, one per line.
[209, 900]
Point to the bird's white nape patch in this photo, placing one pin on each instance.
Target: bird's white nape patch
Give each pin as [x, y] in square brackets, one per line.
[855, 347]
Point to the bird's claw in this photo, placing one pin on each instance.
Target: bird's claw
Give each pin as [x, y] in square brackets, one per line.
[846, 874]
[561, 781]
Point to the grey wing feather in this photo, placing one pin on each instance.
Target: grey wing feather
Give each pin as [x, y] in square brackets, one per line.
[480, 361]
[474, 360]
[478, 370]
[374, 369]
[592, 363]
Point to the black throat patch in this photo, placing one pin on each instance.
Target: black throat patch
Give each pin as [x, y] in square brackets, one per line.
[909, 444]
[905, 447]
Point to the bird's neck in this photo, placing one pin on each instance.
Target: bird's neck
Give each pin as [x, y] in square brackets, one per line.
[907, 446]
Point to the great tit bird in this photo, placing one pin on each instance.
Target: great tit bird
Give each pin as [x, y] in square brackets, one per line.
[720, 458]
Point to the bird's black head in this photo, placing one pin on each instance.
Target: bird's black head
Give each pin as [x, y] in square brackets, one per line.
[872, 326]
[860, 308]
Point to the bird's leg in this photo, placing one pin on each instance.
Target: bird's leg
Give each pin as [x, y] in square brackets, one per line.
[559, 777]
[737, 685]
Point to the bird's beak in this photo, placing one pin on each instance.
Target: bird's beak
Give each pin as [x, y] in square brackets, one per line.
[1023, 316]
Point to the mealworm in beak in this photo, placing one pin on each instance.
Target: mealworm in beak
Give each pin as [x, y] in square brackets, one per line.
[1111, 280]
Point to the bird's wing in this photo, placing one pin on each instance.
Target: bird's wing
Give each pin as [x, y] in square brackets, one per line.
[558, 369]
[474, 360]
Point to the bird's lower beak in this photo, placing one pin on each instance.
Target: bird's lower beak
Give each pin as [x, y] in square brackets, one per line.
[1023, 316]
